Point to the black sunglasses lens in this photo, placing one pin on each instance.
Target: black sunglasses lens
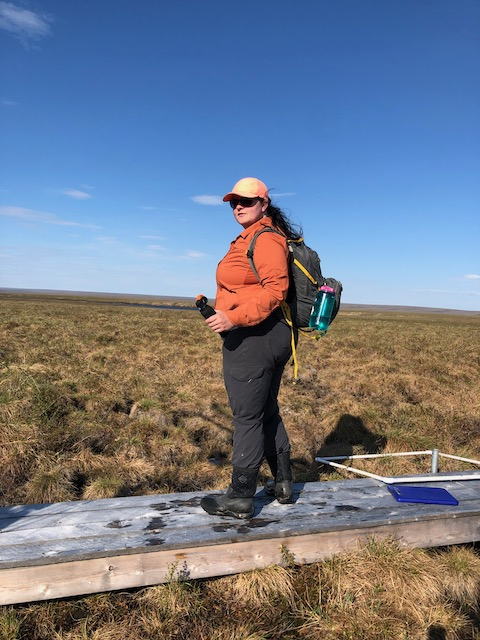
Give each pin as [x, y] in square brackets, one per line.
[244, 202]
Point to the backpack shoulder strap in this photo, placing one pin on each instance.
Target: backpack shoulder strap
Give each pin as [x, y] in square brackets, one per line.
[284, 306]
[251, 247]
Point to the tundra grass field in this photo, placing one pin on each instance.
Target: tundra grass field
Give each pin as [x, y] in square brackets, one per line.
[98, 400]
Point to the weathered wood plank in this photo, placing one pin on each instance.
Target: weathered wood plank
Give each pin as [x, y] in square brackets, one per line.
[25, 512]
[149, 518]
[367, 494]
[67, 549]
[49, 551]
[331, 506]
[330, 489]
[25, 584]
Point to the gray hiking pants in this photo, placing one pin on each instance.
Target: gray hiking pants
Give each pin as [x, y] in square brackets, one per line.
[253, 363]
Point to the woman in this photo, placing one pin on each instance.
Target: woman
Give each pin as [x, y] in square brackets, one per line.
[256, 348]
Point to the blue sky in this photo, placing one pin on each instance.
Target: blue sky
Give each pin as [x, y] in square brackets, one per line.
[124, 123]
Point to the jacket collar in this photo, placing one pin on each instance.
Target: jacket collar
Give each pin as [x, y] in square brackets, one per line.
[266, 221]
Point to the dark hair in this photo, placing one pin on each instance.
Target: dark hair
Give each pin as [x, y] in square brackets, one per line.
[280, 221]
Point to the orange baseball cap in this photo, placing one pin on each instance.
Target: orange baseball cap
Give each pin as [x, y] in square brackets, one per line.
[248, 188]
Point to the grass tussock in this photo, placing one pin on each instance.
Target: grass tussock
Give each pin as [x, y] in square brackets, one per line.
[102, 401]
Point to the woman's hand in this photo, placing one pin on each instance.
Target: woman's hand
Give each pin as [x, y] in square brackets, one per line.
[219, 322]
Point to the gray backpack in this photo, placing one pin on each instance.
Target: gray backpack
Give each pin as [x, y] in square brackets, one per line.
[305, 279]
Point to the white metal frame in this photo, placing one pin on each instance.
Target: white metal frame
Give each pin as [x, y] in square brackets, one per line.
[433, 476]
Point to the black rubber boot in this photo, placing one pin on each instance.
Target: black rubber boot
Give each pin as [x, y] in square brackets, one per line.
[281, 487]
[238, 500]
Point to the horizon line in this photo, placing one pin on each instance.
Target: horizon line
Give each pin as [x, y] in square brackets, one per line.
[349, 305]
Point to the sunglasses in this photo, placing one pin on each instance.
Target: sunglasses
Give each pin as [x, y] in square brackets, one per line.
[243, 202]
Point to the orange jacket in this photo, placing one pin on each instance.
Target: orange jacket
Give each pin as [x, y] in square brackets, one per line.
[245, 301]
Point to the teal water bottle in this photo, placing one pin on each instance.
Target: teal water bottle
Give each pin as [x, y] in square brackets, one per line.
[322, 309]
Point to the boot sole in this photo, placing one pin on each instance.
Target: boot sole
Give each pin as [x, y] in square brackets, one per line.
[226, 512]
[270, 491]
[219, 511]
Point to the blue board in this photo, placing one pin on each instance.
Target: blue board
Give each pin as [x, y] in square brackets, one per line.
[425, 495]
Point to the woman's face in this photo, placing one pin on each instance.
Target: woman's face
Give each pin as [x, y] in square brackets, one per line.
[247, 211]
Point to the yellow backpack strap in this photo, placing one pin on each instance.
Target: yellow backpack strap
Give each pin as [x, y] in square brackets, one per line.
[288, 319]
[302, 268]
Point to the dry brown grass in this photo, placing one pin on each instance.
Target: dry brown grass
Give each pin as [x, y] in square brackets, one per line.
[101, 401]
[379, 592]
[387, 591]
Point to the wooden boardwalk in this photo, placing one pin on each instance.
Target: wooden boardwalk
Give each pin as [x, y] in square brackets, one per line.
[74, 548]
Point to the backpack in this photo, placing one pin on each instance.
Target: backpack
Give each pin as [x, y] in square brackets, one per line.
[305, 279]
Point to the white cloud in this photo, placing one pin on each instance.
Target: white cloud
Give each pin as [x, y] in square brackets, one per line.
[26, 25]
[8, 103]
[155, 247]
[208, 200]
[41, 217]
[472, 276]
[148, 208]
[152, 237]
[77, 195]
[195, 254]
